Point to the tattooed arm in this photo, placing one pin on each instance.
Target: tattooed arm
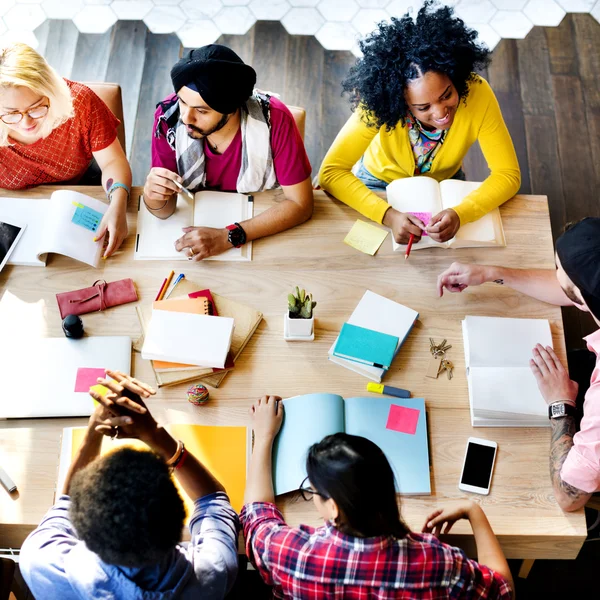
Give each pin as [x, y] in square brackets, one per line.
[569, 498]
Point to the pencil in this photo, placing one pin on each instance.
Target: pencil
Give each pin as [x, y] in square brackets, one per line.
[179, 278]
[184, 190]
[160, 291]
[410, 243]
[167, 283]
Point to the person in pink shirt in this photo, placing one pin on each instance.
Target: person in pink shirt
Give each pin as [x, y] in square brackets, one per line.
[217, 132]
[574, 455]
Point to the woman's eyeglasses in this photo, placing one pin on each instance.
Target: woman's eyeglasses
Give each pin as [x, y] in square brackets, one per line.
[308, 492]
[13, 118]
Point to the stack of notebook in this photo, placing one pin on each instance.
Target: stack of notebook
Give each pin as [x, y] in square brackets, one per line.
[245, 318]
[502, 389]
[363, 345]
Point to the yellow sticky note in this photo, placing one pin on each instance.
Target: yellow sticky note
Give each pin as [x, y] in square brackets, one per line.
[99, 389]
[365, 237]
[78, 205]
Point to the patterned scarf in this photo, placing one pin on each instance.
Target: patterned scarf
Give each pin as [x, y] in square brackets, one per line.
[425, 144]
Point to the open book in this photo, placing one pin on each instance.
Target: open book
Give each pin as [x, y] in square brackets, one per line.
[156, 237]
[224, 451]
[502, 389]
[66, 223]
[397, 426]
[425, 197]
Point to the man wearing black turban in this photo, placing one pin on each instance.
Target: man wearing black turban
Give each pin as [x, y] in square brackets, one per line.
[574, 459]
[218, 132]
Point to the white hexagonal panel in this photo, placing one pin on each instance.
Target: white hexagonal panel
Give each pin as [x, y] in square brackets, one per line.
[303, 3]
[59, 9]
[475, 11]
[6, 5]
[337, 36]
[19, 35]
[596, 11]
[366, 19]
[166, 2]
[509, 4]
[487, 34]
[373, 3]
[398, 8]
[131, 10]
[2, 27]
[95, 19]
[29, 1]
[198, 33]
[164, 19]
[201, 9]
[96, 2]
[338, 10]
[303, 21]
[269, 10]
[544, 12]
[235, 2]
[579, 6]
[24, 17]
[235, 20]
[511, 24]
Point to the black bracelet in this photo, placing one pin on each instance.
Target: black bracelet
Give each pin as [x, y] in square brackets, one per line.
[154, 209]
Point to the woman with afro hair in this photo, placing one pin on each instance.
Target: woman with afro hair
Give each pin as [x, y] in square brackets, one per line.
[418, 106]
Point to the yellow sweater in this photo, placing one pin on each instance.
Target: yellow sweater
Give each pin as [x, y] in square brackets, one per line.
[389, 156]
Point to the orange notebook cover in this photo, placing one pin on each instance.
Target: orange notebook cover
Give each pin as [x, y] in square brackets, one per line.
[223, 450]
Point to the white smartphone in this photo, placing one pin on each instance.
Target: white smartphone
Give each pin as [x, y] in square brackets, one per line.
[478, 466]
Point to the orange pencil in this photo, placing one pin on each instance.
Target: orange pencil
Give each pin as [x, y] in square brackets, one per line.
[166, 284]
[410, 243]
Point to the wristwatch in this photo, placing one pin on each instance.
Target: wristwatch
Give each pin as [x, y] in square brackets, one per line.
[557, 410]
[236, 236]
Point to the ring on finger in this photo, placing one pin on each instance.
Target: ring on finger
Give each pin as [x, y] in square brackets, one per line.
[115, 434]
[191, 252]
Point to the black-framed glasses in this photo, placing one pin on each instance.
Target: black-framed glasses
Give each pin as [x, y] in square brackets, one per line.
[12, 118]
[307, 492]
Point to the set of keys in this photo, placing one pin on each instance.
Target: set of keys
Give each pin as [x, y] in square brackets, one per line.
[438, 351]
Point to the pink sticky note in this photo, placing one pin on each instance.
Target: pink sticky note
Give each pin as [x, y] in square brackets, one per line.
[403, 419]
[86, 378]
[424, 216]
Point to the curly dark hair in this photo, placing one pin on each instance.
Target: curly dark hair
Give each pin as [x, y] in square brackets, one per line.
[126, 508]
[403, 50]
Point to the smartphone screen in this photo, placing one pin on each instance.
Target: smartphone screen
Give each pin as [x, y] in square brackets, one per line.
[478, 465]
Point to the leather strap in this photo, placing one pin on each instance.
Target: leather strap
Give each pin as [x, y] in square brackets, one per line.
[100, 284]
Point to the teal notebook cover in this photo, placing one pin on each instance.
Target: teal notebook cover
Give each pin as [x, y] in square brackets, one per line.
[366, 346]
[397, 425]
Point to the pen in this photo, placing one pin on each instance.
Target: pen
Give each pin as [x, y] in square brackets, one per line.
[410, 243]
[9, 485]
[379, 388]
[166, 284]
[179, 278]
[160, 291]
[184, 190]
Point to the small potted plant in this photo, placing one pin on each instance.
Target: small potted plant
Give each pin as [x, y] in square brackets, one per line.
[300, 320]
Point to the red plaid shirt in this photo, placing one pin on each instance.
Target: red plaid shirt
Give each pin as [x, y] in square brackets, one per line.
[304, 562]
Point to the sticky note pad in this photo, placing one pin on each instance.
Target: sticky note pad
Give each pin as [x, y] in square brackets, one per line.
[86, 378]
[86, 217]
[365, 237]
[403, 419]
[424, 216]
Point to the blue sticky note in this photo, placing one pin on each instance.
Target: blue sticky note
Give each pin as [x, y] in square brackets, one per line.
[86, 217]
[366, 346]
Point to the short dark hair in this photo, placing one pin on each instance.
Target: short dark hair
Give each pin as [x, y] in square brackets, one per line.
[126, 508]
[355, 473]
[403, 50]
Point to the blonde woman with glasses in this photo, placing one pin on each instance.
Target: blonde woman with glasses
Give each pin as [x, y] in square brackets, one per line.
[53, 130]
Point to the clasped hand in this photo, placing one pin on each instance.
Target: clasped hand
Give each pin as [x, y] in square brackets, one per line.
[442, 227]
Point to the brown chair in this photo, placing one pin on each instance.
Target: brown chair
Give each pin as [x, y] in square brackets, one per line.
[110, 94]
[299, 115]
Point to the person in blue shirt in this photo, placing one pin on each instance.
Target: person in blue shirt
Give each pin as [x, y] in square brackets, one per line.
[115, 531]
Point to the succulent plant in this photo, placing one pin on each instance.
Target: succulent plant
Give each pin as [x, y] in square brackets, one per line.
[300, 304]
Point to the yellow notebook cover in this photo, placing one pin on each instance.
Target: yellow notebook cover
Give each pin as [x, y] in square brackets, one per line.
[223, 450]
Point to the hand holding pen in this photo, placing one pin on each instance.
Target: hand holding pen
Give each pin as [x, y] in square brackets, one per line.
[161, 186]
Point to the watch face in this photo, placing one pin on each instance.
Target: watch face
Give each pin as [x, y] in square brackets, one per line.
[558, 410]
[237, 236]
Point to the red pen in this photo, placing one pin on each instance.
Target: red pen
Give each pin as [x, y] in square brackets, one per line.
[161, 289]
[410, 243]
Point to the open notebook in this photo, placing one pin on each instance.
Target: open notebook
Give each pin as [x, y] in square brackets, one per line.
[502, 389]
[224, 451]
[397, 426]
[425, 197]
[156, 237]
[66, 223]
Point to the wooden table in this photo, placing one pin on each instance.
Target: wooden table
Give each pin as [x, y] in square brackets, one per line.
[520, 507]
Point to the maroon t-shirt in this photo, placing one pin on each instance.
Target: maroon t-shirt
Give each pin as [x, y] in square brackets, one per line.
[289, 155]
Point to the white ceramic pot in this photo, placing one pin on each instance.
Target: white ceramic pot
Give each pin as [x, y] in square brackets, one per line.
[300, 327]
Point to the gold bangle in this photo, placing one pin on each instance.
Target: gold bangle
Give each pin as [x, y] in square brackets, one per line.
[175, 458]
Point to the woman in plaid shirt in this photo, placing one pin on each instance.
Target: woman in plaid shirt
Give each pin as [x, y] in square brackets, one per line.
[364, 550]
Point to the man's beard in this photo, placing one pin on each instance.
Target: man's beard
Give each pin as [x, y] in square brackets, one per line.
[199, 134]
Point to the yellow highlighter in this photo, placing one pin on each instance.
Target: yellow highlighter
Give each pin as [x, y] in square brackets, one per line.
[388, 390]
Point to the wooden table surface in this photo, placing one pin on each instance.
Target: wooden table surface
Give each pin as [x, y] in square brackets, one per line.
[520, 507]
